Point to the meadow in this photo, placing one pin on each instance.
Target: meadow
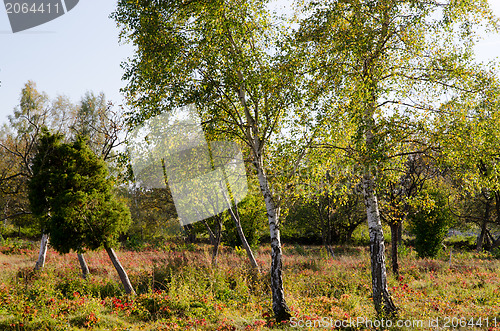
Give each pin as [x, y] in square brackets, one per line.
[177, 289]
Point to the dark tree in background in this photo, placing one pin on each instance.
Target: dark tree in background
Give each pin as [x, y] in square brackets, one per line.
[430, 221]
[72, 195]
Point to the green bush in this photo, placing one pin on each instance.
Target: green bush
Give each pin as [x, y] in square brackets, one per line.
[430, 221]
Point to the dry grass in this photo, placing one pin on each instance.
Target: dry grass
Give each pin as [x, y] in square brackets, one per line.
[177, 288]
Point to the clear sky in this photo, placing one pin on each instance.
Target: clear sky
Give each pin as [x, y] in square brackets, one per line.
[79, 52]
[70, 55]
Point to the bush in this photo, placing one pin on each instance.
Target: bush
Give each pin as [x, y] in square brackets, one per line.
[430, 221]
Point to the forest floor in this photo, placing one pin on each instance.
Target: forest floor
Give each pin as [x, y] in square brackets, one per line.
[461, 292]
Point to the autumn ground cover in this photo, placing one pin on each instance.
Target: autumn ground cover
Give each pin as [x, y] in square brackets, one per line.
[178, 290]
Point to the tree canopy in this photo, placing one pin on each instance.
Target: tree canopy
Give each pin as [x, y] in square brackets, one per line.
[72, 195]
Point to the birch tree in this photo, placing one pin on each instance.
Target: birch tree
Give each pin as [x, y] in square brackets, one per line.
[223, 57]
[387, 65]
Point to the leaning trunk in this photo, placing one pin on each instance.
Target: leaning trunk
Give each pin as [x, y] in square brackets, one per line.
[381, 297]
[211, 234]
[83, 266]
[43, 252]
[280, 308]
[241, 234]
[216, 242]
[121, 272]
[394, 247]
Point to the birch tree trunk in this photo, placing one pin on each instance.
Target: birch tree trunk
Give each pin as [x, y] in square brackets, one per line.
[211, 234]
[40, 263]
[257, 142]
[280, 308]
[326, 231]
[83, 266]
[121, 272]
[236, 219]
[381, 297]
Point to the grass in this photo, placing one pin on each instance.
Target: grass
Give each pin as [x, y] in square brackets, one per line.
[178, 290]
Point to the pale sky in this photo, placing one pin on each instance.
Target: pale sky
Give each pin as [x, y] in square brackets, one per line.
[79, 52]
[70, 55]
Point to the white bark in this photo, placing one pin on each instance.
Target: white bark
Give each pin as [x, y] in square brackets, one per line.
[83, 266]
[244, 242]
[121, 271]
[280, 308]
[381, 296]
[40, 263]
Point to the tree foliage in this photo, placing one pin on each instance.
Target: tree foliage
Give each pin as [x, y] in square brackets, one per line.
[71, 192]
[224, 57]
[18, 139]
[388, 65]
[430, 221]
